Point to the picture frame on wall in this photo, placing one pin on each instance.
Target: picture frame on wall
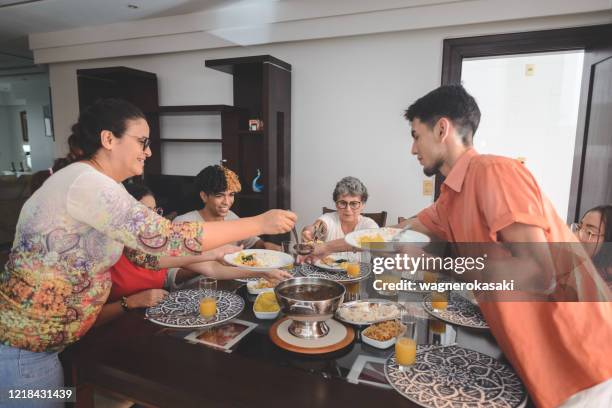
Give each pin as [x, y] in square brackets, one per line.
[23, 117]
[48, 121]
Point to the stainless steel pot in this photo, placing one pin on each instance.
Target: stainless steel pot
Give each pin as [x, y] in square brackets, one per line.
[309, 302]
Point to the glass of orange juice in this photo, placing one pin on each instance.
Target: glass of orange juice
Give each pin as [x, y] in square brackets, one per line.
[405, 344]
[429, 277]
[353, 269]
[208, 297]
[287, 247]
[439, 300]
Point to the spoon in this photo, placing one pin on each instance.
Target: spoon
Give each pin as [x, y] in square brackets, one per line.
[295, 235]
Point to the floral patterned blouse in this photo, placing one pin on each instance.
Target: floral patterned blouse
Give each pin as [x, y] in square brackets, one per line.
[70, 232]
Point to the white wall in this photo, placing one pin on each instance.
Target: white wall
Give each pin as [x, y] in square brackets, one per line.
[8, 150]
[348, 97]
[530, 116]
[29, 93]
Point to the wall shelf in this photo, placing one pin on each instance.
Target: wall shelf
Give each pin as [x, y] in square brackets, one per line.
[185, 110]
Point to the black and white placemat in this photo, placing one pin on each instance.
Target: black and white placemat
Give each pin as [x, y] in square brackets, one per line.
[181, 309]
[312, 271]
[452, 376]
[460, 312]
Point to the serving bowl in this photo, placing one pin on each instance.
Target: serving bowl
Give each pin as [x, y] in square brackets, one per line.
[265, 315]
[308, 302]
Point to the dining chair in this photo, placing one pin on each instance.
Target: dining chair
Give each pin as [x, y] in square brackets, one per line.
[380, 217]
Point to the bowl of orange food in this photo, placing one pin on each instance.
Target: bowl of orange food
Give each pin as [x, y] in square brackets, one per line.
[382, 335]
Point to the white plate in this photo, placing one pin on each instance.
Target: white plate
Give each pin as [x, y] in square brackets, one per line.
[265, 315]
[377, 343]
[412, 237]
[334, 267]
[359, 303]
[392, 237]
[251, 287]
[386, 233]
[269, 259]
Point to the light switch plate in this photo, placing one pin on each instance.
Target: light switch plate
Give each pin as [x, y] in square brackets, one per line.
[428, 187]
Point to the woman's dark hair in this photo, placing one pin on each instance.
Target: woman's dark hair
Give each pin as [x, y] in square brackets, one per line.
[138, 190]
[603, 258]
[452, 102]
[104, 114]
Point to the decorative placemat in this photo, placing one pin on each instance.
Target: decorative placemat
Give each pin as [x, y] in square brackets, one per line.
[312, 271]
[452, 376]
[339, 336]
[181, 309]
[460, 312]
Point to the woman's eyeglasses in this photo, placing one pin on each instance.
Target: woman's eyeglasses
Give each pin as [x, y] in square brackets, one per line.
[580, 229]
[354, 205]
[144, 141]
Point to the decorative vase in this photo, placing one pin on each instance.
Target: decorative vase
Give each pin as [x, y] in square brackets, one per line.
[257, 187]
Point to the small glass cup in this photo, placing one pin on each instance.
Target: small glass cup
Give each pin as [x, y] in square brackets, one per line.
[439, 300]
[352, 266]
[208, 297]
[288, 248]
[353, 291]
[430, 277]
[406, 342]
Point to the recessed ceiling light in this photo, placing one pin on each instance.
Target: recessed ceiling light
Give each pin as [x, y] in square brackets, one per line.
[132, 6]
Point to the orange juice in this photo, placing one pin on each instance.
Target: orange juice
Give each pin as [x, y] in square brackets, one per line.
[437, 326]
[208, 307]
[352, 288]
[353, 270]
[439, 301]
[405, 351]
[429, 277]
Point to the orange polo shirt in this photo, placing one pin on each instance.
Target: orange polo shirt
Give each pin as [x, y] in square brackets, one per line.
[557, 348]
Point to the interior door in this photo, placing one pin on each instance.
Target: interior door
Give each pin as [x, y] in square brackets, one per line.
[592, 168]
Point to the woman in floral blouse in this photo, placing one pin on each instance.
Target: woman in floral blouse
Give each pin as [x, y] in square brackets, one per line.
[74, 228]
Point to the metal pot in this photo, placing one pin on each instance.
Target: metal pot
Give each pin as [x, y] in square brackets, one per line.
[309, 302]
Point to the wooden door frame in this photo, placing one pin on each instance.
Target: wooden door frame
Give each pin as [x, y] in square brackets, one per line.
[563, 39]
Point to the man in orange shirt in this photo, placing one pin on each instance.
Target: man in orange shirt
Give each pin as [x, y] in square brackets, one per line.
[561, 350]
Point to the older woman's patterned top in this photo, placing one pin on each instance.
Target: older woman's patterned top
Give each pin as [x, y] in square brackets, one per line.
[69, 233]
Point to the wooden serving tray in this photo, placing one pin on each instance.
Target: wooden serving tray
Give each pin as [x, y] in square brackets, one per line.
[348, 339]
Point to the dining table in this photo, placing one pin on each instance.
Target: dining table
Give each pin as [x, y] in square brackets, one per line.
[135, 359]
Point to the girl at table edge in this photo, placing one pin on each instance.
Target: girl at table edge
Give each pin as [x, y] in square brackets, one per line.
[74, 228]
[595, 233]
[136, 286]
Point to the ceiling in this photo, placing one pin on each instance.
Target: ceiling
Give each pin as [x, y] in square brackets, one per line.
[104, 28]
[18, 18]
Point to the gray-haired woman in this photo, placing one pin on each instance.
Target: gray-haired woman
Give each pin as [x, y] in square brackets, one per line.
[350, 196]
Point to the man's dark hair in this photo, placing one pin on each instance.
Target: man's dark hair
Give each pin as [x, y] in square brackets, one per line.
[217, 179]
[452, 102]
